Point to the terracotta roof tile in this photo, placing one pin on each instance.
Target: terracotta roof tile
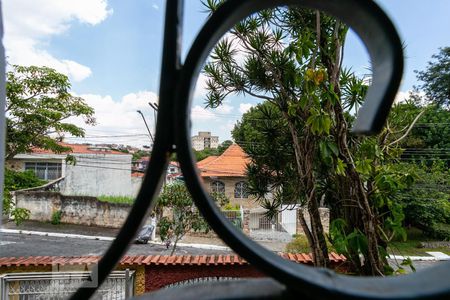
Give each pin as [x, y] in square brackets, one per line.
[154, 260]
[232, 163]
[79, 149]
[137, 174]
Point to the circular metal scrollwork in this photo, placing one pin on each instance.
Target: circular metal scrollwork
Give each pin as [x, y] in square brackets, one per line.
[177, 82]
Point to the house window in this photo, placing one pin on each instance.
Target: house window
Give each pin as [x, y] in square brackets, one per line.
[46, 171]
[218, 187]
[240, 190]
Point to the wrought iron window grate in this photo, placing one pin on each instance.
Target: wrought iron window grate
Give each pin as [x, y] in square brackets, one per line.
[172, 134]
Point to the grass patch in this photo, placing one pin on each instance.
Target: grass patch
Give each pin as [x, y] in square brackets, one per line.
[412, 245]
[116, 199]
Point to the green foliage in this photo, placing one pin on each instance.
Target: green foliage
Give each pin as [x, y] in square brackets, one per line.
[140, 153]
[427, 202]
[14, 181]
[38, 103]
[184, 217]
[300, 245]
[429, 139]
[56, 217]
[436, 78]
[116, 199]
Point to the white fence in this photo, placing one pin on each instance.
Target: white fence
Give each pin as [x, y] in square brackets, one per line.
[264, 228]
[60, 285]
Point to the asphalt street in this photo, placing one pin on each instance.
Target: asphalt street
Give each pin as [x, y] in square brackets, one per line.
[16, 245]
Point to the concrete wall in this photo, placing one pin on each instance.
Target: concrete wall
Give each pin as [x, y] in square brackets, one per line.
[75, 209]
[136, 183]
[98, 174]
[324, 219]
[92, 175]
[229, 191]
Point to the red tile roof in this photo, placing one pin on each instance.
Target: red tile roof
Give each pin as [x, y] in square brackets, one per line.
[232, 163]
[137, 174]
[80, 149]
[165, 260]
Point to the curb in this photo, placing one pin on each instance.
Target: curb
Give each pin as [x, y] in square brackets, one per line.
[55, 234]
[106, 238]
[435, 256]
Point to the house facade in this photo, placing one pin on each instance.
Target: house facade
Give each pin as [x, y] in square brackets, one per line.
[97, 170]
[227, 174]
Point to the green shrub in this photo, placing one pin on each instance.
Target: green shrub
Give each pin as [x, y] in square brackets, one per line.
[14, 181]
[298, 245]
[56, 217]
[441, 231]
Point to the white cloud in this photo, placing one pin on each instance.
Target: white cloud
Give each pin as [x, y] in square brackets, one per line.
[224, 109]
[244, 107]
[155, 6]
[119, 118]
[200, 87]
[401, 96]
[29, 26]
[199, 113]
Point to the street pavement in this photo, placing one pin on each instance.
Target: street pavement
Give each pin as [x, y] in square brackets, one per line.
[16, 245]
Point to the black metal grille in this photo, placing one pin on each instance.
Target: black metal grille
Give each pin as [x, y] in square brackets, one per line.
[176, 88]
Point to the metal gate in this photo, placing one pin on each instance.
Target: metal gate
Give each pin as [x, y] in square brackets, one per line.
[49, 285]
[289, 218]
[264, 228]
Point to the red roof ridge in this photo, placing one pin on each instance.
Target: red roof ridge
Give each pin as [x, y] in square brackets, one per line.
[232, 162]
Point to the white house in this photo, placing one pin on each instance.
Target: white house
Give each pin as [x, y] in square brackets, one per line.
[97, 170]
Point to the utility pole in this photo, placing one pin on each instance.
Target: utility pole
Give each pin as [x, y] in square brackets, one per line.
[148, 129]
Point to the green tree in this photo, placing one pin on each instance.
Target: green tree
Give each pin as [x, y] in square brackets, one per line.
[224, 146]
[16, 181]
[436, 78]
[292, 61]
[427, 202]
[184, 216]
[38, 104]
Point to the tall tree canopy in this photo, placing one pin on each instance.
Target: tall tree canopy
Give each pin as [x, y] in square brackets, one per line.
[436, 78]
[291, 59]
[38, 104]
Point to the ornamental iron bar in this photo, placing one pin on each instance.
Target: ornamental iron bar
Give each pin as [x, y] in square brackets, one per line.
[378, 34]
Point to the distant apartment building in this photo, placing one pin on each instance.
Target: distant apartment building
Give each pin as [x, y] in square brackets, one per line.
[204, 140]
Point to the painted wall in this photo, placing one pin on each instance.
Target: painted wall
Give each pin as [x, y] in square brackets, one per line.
[81, 210]
[98, 174]
[229, 191]
[136, 183]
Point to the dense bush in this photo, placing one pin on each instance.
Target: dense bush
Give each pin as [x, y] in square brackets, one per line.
[426, 203]
[16, 181]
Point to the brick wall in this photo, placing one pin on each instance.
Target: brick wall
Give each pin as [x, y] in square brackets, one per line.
[157, 277]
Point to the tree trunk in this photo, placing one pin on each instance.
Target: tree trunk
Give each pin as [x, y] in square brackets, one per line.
[305, 161]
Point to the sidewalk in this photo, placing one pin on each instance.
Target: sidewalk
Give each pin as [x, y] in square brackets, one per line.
[63, 228]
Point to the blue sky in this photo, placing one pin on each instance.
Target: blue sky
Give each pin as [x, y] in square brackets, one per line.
[111, 50]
